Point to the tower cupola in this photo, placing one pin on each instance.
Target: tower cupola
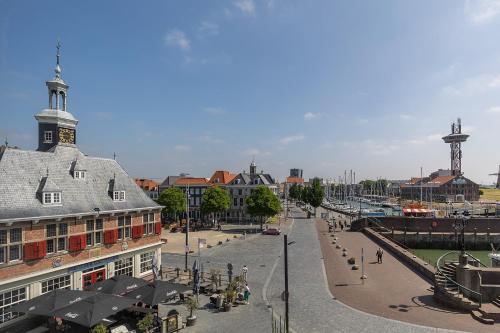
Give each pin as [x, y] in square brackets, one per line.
[55, 124]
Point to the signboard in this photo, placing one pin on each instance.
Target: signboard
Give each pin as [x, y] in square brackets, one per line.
[92, 264]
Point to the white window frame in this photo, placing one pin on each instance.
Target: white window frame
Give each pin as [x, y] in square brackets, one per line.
[6, 246]
[79, 174]
[124, 227]
[51, 198]
[146, 261]
[119, 196]
[60, 234]
[60, 282]
[47, 137]
[21, 296]
[95, 232]
[124, 266]
[148, 220]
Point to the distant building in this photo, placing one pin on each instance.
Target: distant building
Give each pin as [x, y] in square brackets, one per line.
[441, 186]
[296, 173]
[149, 186]
[196, 187]
[290, 181]
[167, 183]
[241, 187]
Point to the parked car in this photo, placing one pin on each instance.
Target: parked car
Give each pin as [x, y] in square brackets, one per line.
[271, 231]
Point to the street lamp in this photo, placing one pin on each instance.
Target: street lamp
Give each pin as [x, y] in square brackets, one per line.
[285, 245]
[187, 224]
[460, 225]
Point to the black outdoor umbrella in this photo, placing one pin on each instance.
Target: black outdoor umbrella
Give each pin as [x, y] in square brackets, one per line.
[44, 304]
[157, 292]
[93, 310]
[118, 285]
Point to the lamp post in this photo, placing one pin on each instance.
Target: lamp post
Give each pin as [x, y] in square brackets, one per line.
[186, 250]
[285, 245]
[460, 225]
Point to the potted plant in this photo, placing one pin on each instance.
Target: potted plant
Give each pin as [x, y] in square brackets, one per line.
[100, 328]
[146, 323]
[192, 305]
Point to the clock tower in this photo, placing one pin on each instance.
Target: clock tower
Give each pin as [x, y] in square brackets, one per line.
[56, 126]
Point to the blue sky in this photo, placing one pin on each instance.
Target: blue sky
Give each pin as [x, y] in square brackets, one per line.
[194, 86]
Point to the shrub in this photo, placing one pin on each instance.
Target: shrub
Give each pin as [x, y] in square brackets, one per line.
[146, 323]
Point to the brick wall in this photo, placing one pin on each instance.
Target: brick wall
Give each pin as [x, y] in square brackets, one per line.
[36, 232]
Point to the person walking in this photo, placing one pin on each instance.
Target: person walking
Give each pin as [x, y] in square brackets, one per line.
[244, 273]
[246, 293]
[379, 255]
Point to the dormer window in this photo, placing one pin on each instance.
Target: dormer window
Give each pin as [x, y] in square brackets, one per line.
[119, 196]
[47, 137]
[79, 174]
[51, 198]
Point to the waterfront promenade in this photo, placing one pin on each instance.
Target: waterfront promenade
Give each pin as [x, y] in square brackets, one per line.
[392, 290]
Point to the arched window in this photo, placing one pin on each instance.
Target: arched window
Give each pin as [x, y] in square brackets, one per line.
[63, 100]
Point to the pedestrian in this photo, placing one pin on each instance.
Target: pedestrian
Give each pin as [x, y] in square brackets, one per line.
[379, 255]
[246, 293]
[341, 226]
[244, 273]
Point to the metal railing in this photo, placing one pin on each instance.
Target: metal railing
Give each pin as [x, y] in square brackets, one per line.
[450, 282]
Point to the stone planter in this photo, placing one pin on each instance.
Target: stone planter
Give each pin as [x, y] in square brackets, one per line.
[227, 307]
[190, 321]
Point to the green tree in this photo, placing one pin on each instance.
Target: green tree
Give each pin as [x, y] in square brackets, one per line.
[263, 203]
[174, 201]
[315, 194]
[295, 192]
[146, 323]
[215, 200]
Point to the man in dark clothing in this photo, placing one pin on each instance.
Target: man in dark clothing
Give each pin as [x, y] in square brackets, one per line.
[379, 255]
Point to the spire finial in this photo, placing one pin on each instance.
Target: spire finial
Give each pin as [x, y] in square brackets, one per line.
[58, 55]
[6, 142]
[114, 156]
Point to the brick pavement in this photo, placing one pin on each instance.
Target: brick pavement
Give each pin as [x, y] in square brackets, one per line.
[392, 289]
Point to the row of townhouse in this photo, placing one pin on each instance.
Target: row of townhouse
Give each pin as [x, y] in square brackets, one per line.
[68, 220]
[238, 186]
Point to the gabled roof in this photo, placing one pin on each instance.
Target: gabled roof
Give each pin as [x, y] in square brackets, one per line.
[47, 184]
[191, 181]
[440, 180]
[143, 183]
[253, 179]
[221, 177]
[21, 172]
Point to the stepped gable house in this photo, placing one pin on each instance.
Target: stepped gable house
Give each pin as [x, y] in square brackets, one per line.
[68, 220]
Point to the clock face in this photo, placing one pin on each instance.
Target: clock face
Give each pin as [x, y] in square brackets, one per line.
[66, 135]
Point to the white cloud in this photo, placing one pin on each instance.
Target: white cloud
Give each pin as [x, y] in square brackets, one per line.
[246, 6]
[310, 115]
[405, 116]
[426, 139]
[481, 11]
[208, 28]
[292, 138]
[494, 110]
[251, 152]
[214, 110]
[495, 82]
[210, 139]
[480, 84]
[182, 148]
[177, 38]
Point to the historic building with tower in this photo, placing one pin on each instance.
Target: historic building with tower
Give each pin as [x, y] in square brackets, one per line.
[68, 220]
[444, 185]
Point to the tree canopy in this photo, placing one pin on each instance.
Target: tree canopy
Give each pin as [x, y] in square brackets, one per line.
[315, 194]
[215, 200]
[295, 192]
[263, 202]
[174, 201]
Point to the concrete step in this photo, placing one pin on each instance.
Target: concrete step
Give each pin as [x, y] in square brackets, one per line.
[479, 316]
[496, 302]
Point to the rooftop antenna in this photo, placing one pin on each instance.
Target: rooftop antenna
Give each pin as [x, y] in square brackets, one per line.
[114, 156]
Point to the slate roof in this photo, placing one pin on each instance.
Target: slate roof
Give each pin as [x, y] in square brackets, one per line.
[250, 179]
[23, 174]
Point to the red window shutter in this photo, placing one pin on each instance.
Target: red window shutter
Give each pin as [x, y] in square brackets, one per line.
[42, 249]
[110, 236]
[137, 231]
[77, 242]
[28, 251]
[158, 228]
